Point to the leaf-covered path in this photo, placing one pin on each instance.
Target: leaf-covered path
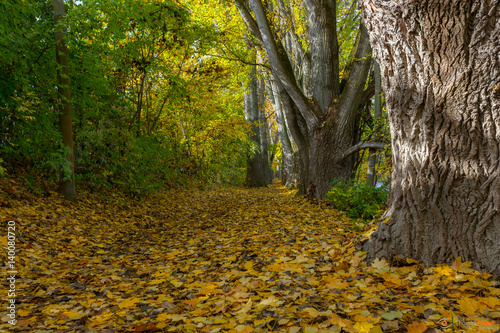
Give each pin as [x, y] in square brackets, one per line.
[228, 260]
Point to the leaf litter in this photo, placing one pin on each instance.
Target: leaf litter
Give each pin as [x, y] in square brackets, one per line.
[226, 260]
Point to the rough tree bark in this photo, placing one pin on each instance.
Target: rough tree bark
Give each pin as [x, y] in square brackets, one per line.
[257, 165]
[440, 68]
[66, 186]
[322, 127]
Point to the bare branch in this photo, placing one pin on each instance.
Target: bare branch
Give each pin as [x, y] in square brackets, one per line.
[363, 145]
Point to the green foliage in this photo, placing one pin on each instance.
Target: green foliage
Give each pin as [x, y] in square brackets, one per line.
[155, 100]
[357, 200]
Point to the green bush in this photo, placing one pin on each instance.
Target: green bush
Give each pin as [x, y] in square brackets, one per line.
[357, 200]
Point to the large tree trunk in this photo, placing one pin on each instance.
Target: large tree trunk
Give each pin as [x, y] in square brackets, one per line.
[257, 165]
[66, 186]
[440, 68]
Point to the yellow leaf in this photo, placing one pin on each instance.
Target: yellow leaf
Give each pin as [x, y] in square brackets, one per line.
[380, 264]
[492, 302]
[157, 281]
[310, 312]
[248, 265]
[444, 271]
[128, 303]
[199, 319]
[177, 317]
[206, 290]
[220, 321]
[72, 315]
[468, 305]
[300, 259]
[172, 254]
[162, 317]
[310, 329]
[4, 241]
[246, 307]
[332, 283]
[23, 313]
[283, 321]
[271, 300]
[363, 327]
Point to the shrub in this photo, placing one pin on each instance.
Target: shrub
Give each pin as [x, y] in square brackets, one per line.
[357, 200]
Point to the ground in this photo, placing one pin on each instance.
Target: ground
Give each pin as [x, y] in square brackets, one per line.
[224, 260]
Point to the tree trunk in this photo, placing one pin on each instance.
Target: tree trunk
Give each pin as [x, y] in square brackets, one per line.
[66, 186]
[257, 165]
[440, 70]
[263, 131]
[372, 157]
[286, 145]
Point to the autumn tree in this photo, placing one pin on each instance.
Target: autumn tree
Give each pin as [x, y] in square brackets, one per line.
[67, 179]
[440, 69]
[320, 115]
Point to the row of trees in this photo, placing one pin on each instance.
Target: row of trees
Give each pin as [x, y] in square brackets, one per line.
[319, 85]
[439, 68]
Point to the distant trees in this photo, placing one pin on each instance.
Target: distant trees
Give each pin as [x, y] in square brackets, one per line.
[258, 170]
[440, 69]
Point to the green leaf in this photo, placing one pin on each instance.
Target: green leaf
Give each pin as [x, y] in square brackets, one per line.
[392, 315]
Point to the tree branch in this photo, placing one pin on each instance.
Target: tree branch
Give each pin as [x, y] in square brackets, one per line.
[357, 77]
[239, 60]
[363, 145]
[249, 21]
[308, 110]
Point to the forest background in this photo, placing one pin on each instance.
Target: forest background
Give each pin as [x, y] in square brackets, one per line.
[157, 96]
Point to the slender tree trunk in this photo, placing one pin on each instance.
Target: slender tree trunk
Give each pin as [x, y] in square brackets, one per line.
[372, 157]
[286, 145]
[66, 186]
[440, 70]
[139, 103]
[257, 165]
[263, 129]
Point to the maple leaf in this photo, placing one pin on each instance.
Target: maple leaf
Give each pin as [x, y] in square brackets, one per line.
[363, 327]
[128, 303]
[380, 264]
[416, 327]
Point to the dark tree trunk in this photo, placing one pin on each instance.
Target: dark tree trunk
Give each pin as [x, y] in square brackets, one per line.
[66, 186]
[440, 68]
[257, 165]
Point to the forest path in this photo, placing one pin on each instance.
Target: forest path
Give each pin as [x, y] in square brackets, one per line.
[229, 260]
